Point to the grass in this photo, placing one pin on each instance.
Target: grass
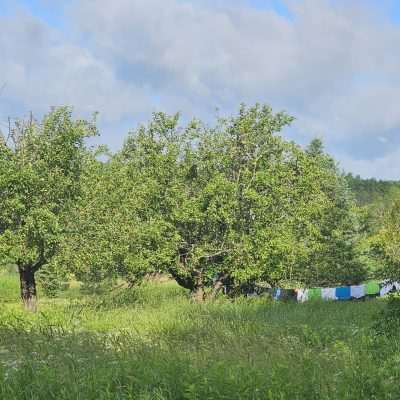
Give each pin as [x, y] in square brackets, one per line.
[155, 343]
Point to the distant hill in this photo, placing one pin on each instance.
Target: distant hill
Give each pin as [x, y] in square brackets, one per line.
[369, 191]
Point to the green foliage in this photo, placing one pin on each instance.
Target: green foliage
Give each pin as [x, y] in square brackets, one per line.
[386, 242]
[375, 199]
[114, 231]
[241, 203]
[372, 191]
[53, 279]
[234, 201]
[230, 204]
[40, 168]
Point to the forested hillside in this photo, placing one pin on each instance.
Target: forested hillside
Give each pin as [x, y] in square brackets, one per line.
[368, 191]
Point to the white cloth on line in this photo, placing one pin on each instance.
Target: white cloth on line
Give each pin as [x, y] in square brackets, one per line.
[302, 295]
[328, 294]
[386, 288]
[357, 291]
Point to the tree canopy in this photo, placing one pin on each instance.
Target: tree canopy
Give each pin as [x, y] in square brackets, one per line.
[223, 205]
[40, 169]
[226, 205]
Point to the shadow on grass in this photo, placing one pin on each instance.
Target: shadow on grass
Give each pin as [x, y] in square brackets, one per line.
[207, 351]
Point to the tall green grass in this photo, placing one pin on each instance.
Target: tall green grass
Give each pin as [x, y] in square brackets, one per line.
[9, 285]
[154, 343]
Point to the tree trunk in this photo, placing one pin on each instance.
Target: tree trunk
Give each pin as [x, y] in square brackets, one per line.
[194, 282]
[28, 287]
[198, 293]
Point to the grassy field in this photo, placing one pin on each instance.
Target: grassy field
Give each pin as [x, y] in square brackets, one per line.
[156, 344]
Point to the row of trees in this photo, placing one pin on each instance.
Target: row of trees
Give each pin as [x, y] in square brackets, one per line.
[227, 205]
[373, 191]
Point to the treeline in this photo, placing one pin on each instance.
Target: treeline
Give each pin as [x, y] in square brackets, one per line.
[369, 191]
[212, 206]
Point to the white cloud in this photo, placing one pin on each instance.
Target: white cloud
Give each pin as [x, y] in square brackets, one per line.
[333, 65]
[40, 69]
[386, 167]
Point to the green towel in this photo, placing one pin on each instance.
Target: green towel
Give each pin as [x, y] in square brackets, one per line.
[372, 288]
[314, 294]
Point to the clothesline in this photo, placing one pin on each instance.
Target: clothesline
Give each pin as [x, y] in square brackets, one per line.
[369, 289]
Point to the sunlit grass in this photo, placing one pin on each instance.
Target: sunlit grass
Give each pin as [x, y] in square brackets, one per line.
[154, 343]
[9, 286]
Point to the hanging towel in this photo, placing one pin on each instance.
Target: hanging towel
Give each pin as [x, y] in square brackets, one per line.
[386, 287]
[302, 295]
[314, 294]
[357, 291]
[396, 285]
[372, 288]
[328, 294]
[343, 293]
[277, 294]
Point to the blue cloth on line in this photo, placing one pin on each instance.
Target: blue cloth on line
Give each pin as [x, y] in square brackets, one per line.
[277, 294]
[343, 293]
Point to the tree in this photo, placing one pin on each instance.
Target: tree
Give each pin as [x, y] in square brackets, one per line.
[386, 242]
[241, 203]
[338, 229]
[226, 205]
[118, 228]
[228, 216]
[40, 170]
[371, 191]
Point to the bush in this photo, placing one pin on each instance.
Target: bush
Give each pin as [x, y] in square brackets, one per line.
[52, 281]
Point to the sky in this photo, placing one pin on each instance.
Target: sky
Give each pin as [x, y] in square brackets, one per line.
[332, 64]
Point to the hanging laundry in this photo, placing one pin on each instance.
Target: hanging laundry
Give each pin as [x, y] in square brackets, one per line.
[386, 287]
[314, 294]
[328, 294]
[357, 291]
[277, 294]
[302, 295]
[340, 293]
[372, 289]
[343, 293]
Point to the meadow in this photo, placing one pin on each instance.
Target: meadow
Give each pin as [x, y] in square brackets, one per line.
[155, 343]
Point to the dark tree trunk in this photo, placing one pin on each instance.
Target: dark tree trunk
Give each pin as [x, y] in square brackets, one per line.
[28, 287]
[186, 282]
[194, 282]
[198, 292]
